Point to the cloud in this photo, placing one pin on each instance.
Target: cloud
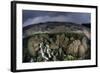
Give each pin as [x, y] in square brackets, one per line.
[61, 18]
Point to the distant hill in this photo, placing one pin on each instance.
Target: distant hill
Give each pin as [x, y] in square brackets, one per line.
[87, 25]
[54, 27]
[49, 24]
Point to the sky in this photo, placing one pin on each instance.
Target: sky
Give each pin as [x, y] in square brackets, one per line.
[34, 17]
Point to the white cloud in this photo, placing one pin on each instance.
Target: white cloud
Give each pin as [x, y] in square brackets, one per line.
[61, 18]
[44, 19]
